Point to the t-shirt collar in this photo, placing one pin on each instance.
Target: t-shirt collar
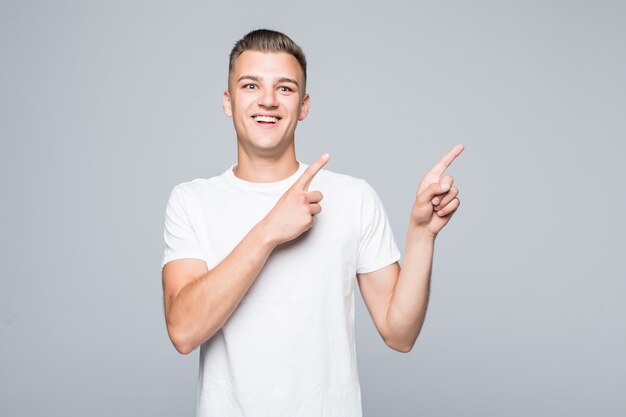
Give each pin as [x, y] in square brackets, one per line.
[280, 185]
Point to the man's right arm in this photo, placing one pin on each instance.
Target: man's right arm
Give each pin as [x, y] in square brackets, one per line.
[198, 302]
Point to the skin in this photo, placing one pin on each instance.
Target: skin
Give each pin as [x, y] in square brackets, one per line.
[198, 302]
[397, 297]
[259, 84]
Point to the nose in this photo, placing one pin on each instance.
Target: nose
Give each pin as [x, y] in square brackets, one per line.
[267, 98]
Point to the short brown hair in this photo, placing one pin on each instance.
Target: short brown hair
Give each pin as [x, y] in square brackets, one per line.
[265, 40]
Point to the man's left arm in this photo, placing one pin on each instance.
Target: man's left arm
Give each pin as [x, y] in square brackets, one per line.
[397, 298]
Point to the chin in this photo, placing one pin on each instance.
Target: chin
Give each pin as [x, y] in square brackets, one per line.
[268, 145]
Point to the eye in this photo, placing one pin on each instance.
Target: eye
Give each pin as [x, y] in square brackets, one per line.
[249, 86]
[284, 89]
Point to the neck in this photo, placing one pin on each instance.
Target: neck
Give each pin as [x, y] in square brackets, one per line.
[265, 168]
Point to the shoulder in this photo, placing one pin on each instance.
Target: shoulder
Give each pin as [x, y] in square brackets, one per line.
[196, 188]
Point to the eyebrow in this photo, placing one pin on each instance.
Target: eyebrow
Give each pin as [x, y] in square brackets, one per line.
[288, 80]
[258, 79]
[249, 77]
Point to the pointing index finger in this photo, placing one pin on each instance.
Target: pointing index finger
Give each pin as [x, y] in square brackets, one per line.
[445, 162]
[307, 176]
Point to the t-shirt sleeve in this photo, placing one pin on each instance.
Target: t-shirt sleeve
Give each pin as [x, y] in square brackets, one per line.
[377, 246]
[180, 237]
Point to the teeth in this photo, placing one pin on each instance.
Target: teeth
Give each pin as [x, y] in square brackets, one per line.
[268, 119]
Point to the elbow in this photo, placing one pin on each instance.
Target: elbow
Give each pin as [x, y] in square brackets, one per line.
[402, 341]
[400, 345]
[181, 341]
[183, 349]
[401, 348]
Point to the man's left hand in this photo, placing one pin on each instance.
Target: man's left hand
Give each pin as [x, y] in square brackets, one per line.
[436, 199]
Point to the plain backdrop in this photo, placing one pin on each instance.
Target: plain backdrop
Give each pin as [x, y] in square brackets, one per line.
[106, 106]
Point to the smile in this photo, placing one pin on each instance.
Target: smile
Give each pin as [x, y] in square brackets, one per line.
[266, 119]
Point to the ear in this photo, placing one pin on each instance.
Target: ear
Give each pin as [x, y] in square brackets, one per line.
[226, 104]
[304, 107]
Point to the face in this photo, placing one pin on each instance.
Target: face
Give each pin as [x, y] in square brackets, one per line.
[266, 99]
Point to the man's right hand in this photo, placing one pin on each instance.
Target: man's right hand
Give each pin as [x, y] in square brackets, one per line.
[294, 212]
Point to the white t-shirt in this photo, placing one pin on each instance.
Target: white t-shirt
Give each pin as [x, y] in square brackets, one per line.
[288, 349]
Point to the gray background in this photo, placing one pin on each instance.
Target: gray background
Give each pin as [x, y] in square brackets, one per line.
[105, 106]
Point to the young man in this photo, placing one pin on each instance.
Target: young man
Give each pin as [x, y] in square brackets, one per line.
[262, 279]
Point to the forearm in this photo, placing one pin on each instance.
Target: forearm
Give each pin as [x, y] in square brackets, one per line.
[407, 308]
[204, 305]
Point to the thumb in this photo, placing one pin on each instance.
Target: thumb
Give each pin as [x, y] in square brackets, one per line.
[431, 191]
